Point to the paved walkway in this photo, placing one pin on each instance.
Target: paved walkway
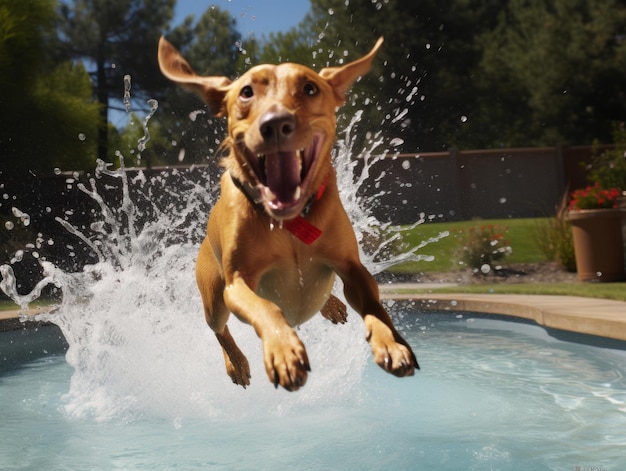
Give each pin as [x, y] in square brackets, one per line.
[602, 317]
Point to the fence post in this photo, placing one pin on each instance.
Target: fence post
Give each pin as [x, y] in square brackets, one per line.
[460, 188]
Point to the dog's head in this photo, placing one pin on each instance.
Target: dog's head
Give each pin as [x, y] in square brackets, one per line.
[281, 123]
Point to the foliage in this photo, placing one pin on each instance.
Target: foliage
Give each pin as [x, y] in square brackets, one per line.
[608, 166]
[554, 236]
[482, 246]
[476, 74]
[409, 94]
[115, 36]
[562, 64]
[594, 197]
[48, 118]
[127, 143]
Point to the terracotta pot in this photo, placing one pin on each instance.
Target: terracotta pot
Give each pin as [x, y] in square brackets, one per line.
[598, 244]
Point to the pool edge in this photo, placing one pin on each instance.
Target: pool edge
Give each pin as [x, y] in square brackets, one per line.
[591, 316]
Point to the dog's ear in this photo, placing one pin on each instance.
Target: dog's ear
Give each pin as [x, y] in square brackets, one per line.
[341, 78]
[211, 89]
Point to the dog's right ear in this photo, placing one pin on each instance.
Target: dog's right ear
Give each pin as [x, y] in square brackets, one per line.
[211, 89]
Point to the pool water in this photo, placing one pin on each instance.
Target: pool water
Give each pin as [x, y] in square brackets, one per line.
[492, 394]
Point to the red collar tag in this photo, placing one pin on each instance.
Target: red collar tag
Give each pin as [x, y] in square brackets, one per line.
[302, 229]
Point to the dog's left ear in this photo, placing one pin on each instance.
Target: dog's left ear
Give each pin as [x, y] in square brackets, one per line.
[341, 78]
[211, 89]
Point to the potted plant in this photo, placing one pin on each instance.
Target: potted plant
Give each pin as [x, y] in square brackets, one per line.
[597, 231]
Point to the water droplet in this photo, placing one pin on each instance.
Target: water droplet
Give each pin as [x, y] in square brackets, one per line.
[485, 268]
[502, 200]
[331, 11]
[396, 141]
[127, 86]
[19, 255]
[57, 171]
[406, 164]
[81, 136]
[463, 119]
[9, 225]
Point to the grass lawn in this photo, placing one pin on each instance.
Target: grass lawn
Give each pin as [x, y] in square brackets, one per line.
[521, 234]
[616, 291]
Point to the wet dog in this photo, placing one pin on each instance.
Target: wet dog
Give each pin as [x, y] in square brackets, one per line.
[278, 233]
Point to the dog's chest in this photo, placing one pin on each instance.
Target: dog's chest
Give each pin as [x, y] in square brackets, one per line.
[300, 290]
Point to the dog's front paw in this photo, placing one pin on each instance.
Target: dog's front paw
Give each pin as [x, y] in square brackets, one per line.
[335, 310]
[286, 360]
[391, 352]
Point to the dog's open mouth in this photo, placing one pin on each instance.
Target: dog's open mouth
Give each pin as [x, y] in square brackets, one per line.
[284, 177]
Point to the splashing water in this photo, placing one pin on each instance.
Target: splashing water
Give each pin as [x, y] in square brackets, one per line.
[133, 319]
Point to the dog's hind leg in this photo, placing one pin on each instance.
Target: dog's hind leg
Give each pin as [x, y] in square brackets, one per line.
[236, 362]
[335, 311]
[211, 286]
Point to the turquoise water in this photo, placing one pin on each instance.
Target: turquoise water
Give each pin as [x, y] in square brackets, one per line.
[492, 394]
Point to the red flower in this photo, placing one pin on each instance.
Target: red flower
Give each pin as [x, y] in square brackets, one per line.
[594, 197]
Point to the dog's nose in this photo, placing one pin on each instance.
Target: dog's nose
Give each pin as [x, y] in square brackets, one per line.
[277, 125]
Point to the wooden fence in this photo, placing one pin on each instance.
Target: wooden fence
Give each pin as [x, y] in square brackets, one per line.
[469, 184]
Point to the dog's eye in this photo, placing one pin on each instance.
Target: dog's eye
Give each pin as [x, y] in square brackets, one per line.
[246, 92]
[310, 89]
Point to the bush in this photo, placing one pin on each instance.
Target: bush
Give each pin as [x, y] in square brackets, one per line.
[608, 167]
[482, 246]
[554, 237]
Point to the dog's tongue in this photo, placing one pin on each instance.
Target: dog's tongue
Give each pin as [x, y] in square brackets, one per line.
[282, 170]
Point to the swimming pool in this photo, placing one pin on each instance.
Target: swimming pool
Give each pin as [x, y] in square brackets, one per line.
[492, 394]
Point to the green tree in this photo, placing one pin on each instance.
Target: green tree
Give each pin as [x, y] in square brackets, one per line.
[423, 85]
[48, 118]
[117, 38]
[563, 63]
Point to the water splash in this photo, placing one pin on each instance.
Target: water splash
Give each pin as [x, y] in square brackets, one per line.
[141, 143]
[379, 243]
[133, 318]
[126, 98]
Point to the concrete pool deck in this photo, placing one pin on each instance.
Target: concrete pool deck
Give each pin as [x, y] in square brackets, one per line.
[591, 316]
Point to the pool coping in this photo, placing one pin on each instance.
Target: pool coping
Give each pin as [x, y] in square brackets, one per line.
[591, 316]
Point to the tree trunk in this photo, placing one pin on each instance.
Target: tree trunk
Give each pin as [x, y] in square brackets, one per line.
[103, 98]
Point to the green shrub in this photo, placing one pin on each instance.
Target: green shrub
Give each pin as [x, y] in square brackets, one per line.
[554, 237]
[608, 167]
[483, 246]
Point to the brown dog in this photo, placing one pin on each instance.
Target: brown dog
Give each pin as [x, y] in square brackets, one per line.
[278, 233]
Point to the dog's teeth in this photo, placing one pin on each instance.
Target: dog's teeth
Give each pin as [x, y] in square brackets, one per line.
[297, 193]
[270, 195]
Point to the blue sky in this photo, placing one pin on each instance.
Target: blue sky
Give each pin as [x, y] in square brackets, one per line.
[258, 17]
